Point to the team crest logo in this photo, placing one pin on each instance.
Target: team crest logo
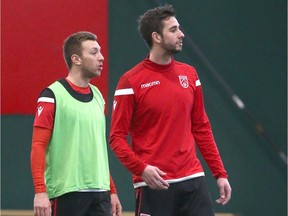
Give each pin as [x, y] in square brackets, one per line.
[183, 81]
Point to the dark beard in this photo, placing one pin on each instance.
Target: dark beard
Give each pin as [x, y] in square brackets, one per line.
[171, 49]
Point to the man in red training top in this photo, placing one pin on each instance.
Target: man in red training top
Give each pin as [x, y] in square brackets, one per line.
[159, 102]
[69, 159]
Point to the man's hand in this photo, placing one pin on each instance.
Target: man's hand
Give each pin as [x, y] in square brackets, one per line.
[152, 177]
[225, 191]
[42, 205]
[116, 208]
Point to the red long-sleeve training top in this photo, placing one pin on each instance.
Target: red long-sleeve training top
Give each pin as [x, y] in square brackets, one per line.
[162, 108]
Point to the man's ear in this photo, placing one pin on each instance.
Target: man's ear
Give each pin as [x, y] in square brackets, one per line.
[76, 59]
[156, 37]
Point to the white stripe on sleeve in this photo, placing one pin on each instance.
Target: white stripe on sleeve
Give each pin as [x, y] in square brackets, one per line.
[45, 99]
[128, 91]
[198, 83]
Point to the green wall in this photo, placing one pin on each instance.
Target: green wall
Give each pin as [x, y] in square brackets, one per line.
[246, 42]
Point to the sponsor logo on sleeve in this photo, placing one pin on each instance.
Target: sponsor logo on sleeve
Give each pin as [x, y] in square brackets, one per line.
[39, 110]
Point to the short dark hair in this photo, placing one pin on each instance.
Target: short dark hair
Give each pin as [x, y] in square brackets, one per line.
[151, 21]
[73, 45]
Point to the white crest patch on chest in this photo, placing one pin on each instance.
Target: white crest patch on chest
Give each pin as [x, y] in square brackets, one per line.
[183, 81]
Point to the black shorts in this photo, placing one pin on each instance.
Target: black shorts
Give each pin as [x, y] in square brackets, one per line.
[82, 204]
[187, 198]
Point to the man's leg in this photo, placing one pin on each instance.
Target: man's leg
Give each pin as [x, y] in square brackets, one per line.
[72, 204]
[194, 198]
[154, 202]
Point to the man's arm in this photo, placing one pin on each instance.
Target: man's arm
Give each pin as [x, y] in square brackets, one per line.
[116, 207]
[40, 140]
[42, 130]
[123, 108]
[203, 135]
[204, 139]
